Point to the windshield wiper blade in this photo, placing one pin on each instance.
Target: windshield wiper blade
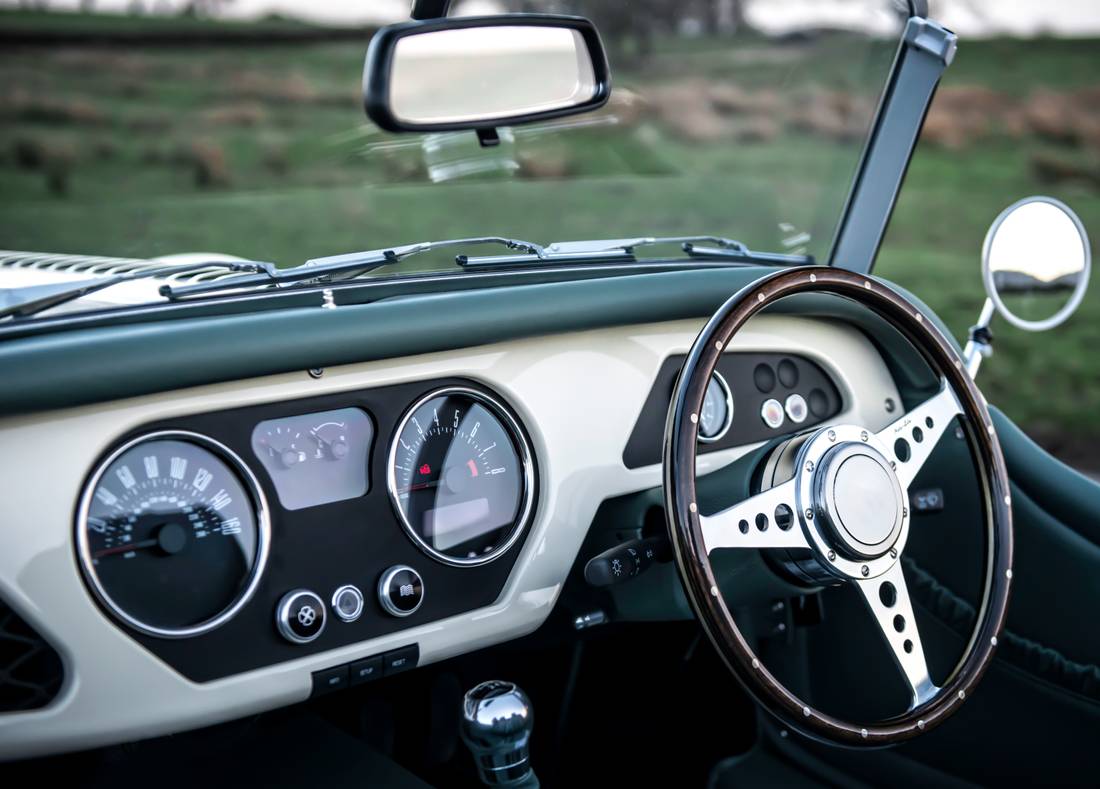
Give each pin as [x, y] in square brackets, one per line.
[26, 301]
[346, 266]
[622, 250]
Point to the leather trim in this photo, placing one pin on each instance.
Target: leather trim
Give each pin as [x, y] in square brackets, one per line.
[1033, 657]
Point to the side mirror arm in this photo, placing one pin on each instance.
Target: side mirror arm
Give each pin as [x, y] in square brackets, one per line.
[979, 342]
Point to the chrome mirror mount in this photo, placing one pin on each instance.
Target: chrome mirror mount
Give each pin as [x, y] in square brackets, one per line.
[1036, 262]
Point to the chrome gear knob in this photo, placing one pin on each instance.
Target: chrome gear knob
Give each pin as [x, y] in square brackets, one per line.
[497, 720]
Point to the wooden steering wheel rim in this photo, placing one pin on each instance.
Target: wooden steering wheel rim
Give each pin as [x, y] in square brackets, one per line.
[686, 534]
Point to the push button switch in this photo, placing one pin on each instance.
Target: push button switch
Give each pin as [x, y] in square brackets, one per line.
[400, 660]
[347, 602]
[329, 680]
[400, 590]
[366, 670]
[300, 616]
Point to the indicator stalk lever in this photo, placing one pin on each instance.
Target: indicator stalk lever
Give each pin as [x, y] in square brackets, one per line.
[626, 561]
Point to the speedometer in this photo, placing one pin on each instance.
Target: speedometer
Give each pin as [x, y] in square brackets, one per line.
[461, 477]
[173, 534]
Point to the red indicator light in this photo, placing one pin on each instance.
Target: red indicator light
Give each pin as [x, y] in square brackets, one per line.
[425, 469]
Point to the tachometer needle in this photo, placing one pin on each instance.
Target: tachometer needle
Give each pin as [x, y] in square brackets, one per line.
[419, 486]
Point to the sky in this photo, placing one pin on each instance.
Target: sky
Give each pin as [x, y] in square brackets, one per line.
[967, 17]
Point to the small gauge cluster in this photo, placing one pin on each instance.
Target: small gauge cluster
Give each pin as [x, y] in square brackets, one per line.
[237, 539]
[751, 397]
[316, 458]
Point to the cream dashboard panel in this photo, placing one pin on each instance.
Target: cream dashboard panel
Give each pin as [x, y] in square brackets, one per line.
[579, 396]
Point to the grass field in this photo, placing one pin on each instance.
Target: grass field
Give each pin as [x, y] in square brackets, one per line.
[263, 151]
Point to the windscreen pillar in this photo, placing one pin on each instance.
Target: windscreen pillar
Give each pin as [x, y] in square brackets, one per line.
[430, 9]
[926, 50]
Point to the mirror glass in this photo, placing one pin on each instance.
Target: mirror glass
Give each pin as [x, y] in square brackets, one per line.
[485, 73]
[1036, 263]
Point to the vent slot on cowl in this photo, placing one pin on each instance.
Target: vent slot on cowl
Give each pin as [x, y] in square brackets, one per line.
[30, 669]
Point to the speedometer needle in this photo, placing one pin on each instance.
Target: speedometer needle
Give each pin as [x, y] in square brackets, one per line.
[125, 548]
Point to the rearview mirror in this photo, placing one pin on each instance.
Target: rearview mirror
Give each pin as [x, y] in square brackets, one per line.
[1035, 263]
[483, 72]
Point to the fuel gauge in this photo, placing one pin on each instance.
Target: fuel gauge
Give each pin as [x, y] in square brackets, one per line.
[284, 446]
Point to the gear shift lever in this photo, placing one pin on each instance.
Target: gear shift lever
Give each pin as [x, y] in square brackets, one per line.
[496, 726]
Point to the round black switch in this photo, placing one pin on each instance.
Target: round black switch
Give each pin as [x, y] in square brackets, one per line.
[819, 404]
[400, 590]
[300, 616]
[764, 377]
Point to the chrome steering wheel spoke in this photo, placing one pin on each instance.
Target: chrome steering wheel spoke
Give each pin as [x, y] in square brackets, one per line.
[766, 520]
[912, 437]
[887, 596]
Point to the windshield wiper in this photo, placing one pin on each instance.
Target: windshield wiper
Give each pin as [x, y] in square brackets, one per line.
[347, 266]
[355, 264]
[22, 302]
[622, 250]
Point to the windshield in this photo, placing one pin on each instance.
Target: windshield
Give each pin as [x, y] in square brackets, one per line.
[158, 132]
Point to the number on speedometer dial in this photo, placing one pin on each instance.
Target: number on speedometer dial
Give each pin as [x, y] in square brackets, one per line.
[460, 476]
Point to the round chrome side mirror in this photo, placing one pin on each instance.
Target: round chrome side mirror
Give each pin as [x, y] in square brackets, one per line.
[1036, 262]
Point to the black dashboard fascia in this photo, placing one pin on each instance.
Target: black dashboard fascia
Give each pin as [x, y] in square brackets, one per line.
[324, 547]
[643, 448]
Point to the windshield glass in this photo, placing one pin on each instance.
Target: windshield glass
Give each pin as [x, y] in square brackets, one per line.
[143, 130]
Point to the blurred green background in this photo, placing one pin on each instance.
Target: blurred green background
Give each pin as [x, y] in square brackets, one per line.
[256, 145]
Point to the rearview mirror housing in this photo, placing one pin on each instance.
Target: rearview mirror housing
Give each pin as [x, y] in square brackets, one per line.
[479, 73]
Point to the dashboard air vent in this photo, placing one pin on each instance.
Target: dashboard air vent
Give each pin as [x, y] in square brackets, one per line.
[30, 669]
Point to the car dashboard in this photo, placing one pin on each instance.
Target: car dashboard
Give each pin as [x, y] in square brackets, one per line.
[345, 523]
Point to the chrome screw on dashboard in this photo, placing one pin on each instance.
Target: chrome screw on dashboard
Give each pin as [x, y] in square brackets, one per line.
[316, 372]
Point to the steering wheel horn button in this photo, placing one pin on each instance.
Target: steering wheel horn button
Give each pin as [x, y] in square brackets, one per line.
[401, 590]
[860, 498]
[300, 616]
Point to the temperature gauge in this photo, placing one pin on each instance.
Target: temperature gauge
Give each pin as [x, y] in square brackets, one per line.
[330, 440]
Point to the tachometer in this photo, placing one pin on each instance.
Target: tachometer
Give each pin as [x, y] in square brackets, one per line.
[461, 477]
[173, 534]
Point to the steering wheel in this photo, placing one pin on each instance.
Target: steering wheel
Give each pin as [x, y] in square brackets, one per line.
[845, 513]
